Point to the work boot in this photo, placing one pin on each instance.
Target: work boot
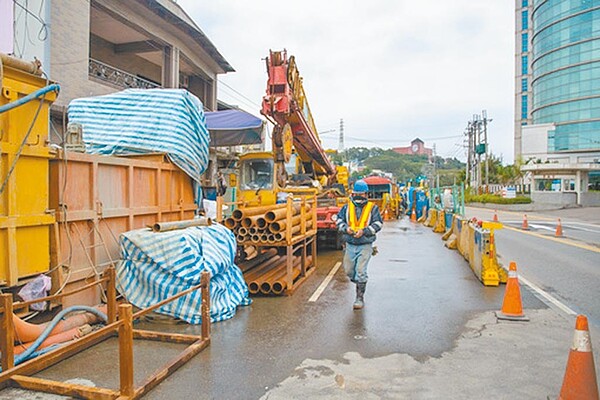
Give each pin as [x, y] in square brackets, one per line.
[359, 303]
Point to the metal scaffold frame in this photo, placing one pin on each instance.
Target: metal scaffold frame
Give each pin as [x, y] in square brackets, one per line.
[21, 375]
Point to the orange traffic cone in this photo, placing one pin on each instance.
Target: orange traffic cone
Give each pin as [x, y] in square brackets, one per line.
[525, 225]
[559, 232]
[512, 309]
[384, 215]
[580, 377]
[495, 215]
[413, 215]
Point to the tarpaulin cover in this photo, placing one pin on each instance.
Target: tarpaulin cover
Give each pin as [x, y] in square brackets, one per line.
[156, 266]
[233, 128]
[138, 121]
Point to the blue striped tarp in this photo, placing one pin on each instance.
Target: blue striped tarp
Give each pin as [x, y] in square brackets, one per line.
[137, 121]
[156, 266]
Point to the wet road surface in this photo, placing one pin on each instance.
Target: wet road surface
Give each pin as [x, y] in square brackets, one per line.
[419, 297]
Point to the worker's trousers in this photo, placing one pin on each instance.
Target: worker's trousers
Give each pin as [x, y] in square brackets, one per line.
[356, 259]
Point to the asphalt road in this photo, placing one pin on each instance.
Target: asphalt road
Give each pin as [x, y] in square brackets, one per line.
[419, 297]
[567, 268]
[428, 331]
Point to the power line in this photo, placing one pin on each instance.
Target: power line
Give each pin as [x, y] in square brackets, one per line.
[241, 94]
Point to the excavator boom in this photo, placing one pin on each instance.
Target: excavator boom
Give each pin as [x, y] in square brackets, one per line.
[285, 103]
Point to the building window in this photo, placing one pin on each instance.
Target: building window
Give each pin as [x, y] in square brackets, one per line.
[547, 185]
[524, 106]
[568, 185]
[525, 20]
[525, 3]
[524, 42]
[524, 85]
[524, 61]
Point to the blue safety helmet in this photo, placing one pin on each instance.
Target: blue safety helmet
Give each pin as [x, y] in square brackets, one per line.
[360, 186]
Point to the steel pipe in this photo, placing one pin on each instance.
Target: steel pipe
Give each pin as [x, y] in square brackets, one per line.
[281, 270]
[31, 67]
[230, 223]
[171, 226]
[274, 215]
[279, 285]
[263, 280]
[253, 262]
[261, 269]
[247, 222]
[240, 213]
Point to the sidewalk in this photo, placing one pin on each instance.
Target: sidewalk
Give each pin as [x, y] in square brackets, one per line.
[505, 360]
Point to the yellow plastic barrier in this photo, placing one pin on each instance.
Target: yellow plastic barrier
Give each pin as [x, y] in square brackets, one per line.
[432, 218]
[440, 223]
[477, 246]
[25, 220]
[490, 259]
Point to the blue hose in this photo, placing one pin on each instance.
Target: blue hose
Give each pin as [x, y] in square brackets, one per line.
[44, 335]
[31, 96]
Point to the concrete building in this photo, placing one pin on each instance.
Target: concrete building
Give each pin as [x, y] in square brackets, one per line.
[417, 146]
[97, 47]
[561, 146]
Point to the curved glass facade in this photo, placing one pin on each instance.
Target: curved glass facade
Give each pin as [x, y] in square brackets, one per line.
[566, 72]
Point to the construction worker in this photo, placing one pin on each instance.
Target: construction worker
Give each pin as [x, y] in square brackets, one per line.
[359, 220]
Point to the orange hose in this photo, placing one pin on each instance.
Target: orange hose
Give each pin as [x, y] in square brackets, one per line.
[27, 332]
[66, 336]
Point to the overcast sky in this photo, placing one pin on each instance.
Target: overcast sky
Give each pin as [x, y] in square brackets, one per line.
[393, 70]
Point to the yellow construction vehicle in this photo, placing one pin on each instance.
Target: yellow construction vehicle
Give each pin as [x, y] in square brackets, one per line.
[384, 193]
[298, 163]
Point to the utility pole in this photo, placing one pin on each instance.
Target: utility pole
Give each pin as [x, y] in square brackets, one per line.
[341, 139]
[478, 151]
[487, 154]
[435, 177]
[468, 166]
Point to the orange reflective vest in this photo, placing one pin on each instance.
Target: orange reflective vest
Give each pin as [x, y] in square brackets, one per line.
[354, 223]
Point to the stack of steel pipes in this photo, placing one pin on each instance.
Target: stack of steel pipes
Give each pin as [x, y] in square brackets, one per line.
[267, 273]
[268, 224]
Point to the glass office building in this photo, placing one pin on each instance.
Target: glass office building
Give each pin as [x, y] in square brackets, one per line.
[523, 58]
[566, 72]
[557, 99]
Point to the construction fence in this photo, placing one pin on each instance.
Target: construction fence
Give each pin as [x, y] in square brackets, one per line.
[474, 240]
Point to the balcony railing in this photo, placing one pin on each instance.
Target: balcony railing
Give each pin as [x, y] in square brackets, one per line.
[117, 77]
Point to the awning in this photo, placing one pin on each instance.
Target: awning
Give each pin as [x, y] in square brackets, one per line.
[233, 128]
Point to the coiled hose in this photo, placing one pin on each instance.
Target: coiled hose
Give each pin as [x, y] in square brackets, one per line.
[31, 350]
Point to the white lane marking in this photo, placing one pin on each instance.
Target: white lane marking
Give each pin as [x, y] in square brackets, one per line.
[566, 225]
[547, 296]
[555, 239]
[325, 282]
[536, 226]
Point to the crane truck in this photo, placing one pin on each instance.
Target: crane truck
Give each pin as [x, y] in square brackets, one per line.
[298, 163]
